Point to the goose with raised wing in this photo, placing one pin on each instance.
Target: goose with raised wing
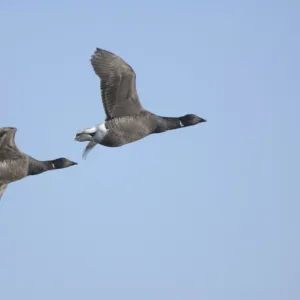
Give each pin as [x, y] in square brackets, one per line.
[15, 165]
[126, 120]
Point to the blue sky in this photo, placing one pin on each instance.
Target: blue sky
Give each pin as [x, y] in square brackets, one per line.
[207, 212]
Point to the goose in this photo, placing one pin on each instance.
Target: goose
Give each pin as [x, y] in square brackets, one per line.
[126, 120]
[15, 165]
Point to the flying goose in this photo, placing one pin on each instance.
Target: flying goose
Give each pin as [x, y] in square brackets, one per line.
[126, 120]
[15, 165]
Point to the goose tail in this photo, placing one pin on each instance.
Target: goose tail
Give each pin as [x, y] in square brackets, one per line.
[85, 134]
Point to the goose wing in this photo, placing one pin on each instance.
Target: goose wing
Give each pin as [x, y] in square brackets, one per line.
[118, 85]
[7, 137]
[9, 153]
[8, 149]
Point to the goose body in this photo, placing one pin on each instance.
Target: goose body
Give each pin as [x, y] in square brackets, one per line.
[126, 120]
[15, 165]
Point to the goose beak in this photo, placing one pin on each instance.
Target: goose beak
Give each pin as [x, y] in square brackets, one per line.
[202, 120]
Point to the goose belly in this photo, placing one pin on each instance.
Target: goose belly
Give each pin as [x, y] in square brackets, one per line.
[117, 137]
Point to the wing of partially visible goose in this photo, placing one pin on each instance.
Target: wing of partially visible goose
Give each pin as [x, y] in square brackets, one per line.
[7, 137]
[118, 85]
[8, 153]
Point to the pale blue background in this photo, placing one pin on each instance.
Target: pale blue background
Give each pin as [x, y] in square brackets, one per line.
[209, 212]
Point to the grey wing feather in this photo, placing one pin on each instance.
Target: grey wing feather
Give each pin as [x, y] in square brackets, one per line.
[118, 85]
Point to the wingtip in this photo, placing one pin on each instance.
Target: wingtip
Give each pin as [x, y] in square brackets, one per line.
[97, 51]
[10, 128]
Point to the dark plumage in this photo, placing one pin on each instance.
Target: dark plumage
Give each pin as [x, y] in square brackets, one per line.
[15, 165]
[126, 120]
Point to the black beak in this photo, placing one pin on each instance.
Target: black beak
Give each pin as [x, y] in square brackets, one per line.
[202, 120]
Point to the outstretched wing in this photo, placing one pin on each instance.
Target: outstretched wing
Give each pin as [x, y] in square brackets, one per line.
[118, 85]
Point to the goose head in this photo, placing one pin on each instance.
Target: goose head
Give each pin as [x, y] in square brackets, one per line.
[190, 120]
[63, 162]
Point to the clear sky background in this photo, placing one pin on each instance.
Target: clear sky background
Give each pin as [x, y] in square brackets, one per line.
[207, 212]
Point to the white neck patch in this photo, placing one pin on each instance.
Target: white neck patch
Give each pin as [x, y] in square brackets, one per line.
[181, 125]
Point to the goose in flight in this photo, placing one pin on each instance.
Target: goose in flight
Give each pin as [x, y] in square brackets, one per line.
[126, 120]
[15, 165]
